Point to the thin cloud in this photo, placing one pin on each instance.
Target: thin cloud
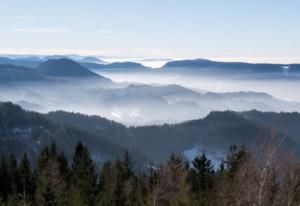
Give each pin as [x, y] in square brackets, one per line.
[40, 30]
[103, 31]
[26, 17]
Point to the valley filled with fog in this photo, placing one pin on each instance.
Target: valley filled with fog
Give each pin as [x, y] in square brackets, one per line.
[133, 94]
[201, 106]
[282, 87]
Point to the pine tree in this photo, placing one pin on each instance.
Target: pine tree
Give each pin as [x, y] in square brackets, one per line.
[225, 176]
[50, 181]
[62, 193]
[83, 175]
[63, 166]
[14, 178]
[4, 179]
[201, 178]
[26, 181]
[234, 160]
[106, 195]
[127, 166]
[48, 196]
[201, 174]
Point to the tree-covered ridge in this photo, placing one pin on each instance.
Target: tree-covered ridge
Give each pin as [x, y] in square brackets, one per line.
[241, 179]
[216, 132]
[28, 132]
[285, 122]
[231, 66]
[22, 131]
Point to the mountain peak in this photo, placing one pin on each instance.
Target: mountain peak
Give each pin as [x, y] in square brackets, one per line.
[188, 63]
[64, 67]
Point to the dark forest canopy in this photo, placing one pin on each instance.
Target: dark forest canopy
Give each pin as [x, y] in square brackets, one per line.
[28, 132]
[113, 164]
[22, 131]
[241, 179]
[216, 132]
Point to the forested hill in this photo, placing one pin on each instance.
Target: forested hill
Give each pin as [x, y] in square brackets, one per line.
[22, 131]
[241, 179]
[213, 134]
[231, 66]
[289, 123]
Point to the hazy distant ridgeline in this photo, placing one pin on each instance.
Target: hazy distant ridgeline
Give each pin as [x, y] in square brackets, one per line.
[67, 85]
[204, 64]
[64, 84]
[136, 104]
[238, 67]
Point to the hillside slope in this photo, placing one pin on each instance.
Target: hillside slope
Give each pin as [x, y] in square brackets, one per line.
[213, 134]
[22, 131]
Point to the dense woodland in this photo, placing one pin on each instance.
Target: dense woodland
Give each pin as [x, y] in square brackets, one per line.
[32, 173]
[28, 132]
[241, 179]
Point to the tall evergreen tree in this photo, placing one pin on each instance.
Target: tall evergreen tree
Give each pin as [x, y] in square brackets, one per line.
[13, 177]
[201, 174]
[174, 183]
[225, 179]
[26, 181]
[201, 178]
[125, 179]
[83, 175]
[50, 182]
[106, 195]
[4, 179]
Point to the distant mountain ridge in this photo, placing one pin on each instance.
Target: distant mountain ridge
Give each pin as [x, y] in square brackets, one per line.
[25, 62]
[11, 73]
[232, 66]
[46, 71]
[64, 67]
[114, 65]
[192, 64]
[92, 60]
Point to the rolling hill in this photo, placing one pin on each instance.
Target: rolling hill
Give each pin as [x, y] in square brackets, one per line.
[22, 131]
[232, 66]
[24, 62]
[213, 134]
[11, 73]
[64, 68]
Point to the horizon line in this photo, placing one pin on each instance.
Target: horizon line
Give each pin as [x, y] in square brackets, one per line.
[252, 60]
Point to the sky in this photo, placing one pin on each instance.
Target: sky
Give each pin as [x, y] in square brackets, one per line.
[240, 30]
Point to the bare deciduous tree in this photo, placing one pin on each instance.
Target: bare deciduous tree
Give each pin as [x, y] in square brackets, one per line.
[268, 163]
[245, 183]
[290, 182]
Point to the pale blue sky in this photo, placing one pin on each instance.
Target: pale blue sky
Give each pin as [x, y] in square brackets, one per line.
[251, 30]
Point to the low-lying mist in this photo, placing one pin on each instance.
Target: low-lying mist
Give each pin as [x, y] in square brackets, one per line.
[143, 98]
[283, 86]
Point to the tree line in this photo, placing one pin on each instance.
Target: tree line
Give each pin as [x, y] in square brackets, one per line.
[241, 179]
